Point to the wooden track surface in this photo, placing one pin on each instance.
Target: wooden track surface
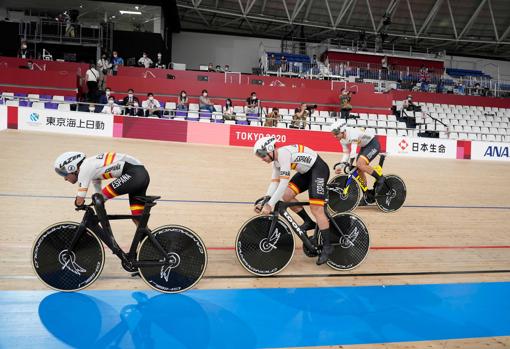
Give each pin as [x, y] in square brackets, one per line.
[450, 204]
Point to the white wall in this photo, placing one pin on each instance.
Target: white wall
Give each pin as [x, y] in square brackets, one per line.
[240, 53]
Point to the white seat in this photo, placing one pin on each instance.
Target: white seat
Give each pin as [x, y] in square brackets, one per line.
[238, 109]
[284, 112]
[392, 118]
[463, 136]
[7, 95]
[351, 122]
[230, 122]
[381, 123]
[402, 133]
[401, 125]
[193, 107]
[372, 123]
[315, 127]
[320, 119]
[372, 117]
[33, 97]
[473, 136]
[391, 132]
[208, 120]
[287, 117]
[58, 98]
[381, 131]
[361, 122]
[281, 125]
[64, 107]
[392, 124]
[363, 116]
[14, 103]
[170, 106]
[484, 129]
[218, 107]
[324, 113]
[458, 128]
[490, 138]
[254, 123]
[454, 135]
[193, 115]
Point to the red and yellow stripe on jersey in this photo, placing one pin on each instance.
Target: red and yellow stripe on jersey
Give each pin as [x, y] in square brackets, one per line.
[109, 192]
[108, 160]
[301, 149]
[317, 202]
[136, 209]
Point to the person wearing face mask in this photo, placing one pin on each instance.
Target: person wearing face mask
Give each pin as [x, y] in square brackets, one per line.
[159, 62]
[183, 101]
[129, 102]
[104, 97]
[104, 66]
[145, 61]
[228, 111]
[92, 108]
[23, 50]
[117, 61]
[252, 104]
[151, 106]
[205, 103]
[111, 107]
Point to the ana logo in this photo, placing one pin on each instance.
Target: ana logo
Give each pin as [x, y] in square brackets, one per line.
[496, 151]
[34, 117]
[403, 144]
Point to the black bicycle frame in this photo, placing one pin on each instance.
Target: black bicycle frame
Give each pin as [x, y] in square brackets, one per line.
[281, 210]
[354, 173]
[104, 232]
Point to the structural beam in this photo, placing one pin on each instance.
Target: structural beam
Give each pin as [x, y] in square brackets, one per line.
[432, 14]
[472, 19]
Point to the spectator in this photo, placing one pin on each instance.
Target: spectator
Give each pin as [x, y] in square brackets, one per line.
[205, 103]
[210, 68]
[151, 106]
[459, 89]
[345, 103]
[136, 110]
[272, 62]
[103, 99]
[129, 102]
[92, 108]
[92, 76]
[228, 111]
[299, 120]
[23, 50]
[116, 63]
[283, 64]
[218, 69]
[273, 118]
[252, 104]
[145, 61]
[103, 66]
[111, 107]
[159, 62]
[227, 68]
[409, 105]
[183, 101]
[384, 67]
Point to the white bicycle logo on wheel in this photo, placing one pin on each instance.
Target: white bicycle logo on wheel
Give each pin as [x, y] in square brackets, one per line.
[68, 261]
[390, 196]
[266, 245]
[174, 261]
[347, 241]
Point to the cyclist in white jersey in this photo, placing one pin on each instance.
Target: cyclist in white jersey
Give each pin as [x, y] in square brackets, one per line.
[312, 175]
[130, 176]
[369, 149]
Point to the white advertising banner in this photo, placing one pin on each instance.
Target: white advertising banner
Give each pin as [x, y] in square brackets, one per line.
[3, 117]
[80, 123]
[422, 147]
[490, 151]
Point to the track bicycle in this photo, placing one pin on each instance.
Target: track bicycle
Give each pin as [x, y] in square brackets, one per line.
[69, 256]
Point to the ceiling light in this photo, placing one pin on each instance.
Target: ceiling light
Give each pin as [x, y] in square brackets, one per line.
[130, 12]
[137, 7]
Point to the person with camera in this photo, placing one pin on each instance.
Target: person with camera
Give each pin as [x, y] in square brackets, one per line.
[299, 120]
[104, 66]
[345, 103]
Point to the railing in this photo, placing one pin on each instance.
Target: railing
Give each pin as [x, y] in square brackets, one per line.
[52, 31]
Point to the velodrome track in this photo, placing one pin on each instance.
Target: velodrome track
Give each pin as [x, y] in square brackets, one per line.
[453, 230]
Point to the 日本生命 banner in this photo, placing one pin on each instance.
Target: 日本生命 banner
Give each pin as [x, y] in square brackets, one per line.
[422, 147]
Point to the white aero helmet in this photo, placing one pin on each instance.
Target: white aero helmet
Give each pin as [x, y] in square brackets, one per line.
[339, 126]
[68, 162]
[264, 145]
